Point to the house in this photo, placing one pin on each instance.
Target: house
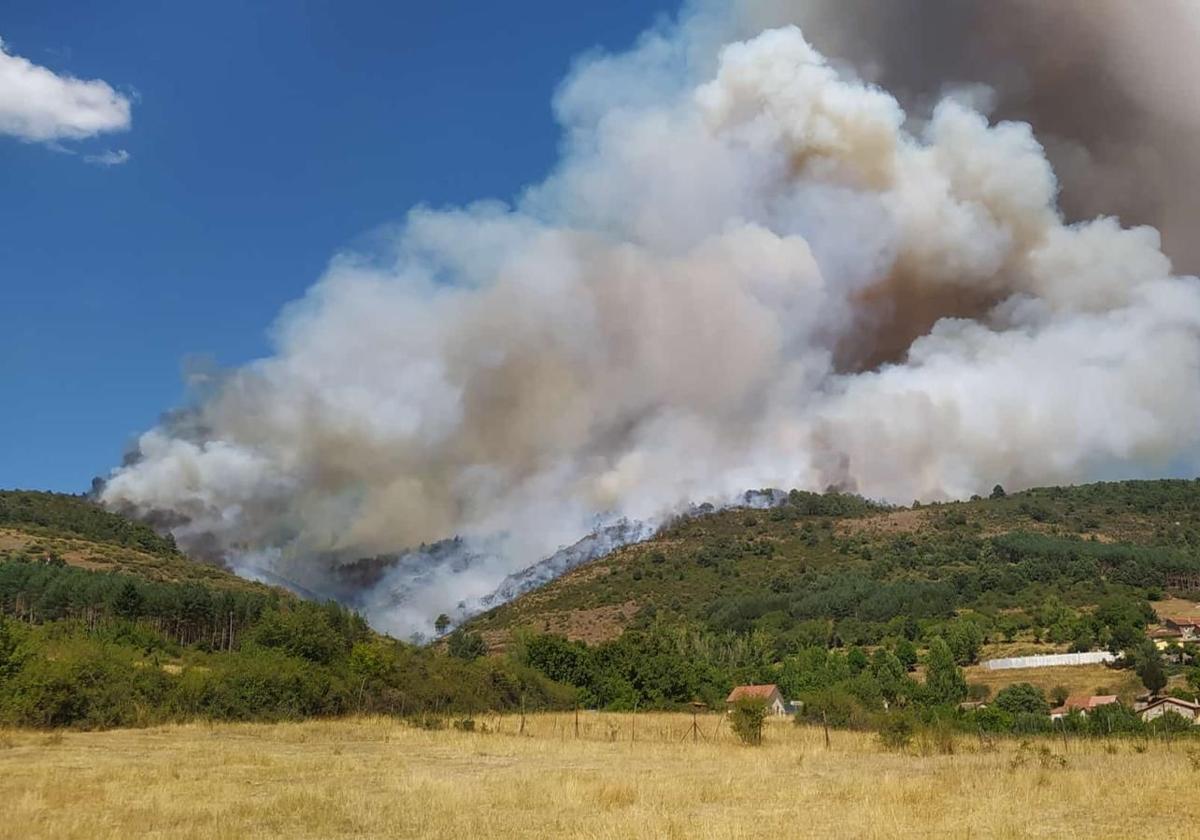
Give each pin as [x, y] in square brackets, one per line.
[776, 705]
[1162, 705]
[1082, 703]
[1187, 629]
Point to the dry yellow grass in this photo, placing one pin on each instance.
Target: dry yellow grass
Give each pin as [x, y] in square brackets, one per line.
[370, 778]
[1077, 679]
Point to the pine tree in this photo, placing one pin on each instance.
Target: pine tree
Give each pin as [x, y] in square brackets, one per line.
[944, 680]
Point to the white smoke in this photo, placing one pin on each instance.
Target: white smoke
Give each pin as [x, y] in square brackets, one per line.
[747, 270]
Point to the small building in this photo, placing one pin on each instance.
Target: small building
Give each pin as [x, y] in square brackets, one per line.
[1159, 707]
[776, 705]
[1187, 629]
[1082, 703]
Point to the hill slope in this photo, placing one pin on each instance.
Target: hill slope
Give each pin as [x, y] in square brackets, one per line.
[38, 526]
[105, 623]
[857, 569]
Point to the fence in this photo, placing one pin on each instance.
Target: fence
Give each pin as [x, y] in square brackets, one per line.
[1050, 660]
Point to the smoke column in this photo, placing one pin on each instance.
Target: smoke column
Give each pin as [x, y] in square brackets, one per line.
[752, 267]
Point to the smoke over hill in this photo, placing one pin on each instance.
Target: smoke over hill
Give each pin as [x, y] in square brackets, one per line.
[750, 268]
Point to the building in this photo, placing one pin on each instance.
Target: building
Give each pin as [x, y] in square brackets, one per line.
[1158, 708]
[776, 705]
[1185, 629]
[1082, 703]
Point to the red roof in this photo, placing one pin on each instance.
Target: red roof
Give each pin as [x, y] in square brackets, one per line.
[1084, 703]
[1182, 622]
[766, 692]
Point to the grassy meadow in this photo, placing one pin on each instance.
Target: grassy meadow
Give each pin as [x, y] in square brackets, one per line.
[623, 777]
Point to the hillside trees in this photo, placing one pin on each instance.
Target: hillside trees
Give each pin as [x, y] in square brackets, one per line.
[944, 680]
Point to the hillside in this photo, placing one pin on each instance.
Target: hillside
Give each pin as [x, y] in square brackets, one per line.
[105, 623]
[834, 568]
[55, 527]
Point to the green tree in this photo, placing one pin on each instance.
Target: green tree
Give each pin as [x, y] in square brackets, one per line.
[10, 661]
[998, 492]
[965, 639]
[889, 673]
[857, 660]
[1149, 668]
[441, 623]
[129, 601]
[944, 680]
[906, 652]
[1022, 698]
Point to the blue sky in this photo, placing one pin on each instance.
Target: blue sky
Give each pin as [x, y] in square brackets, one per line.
[265, 136]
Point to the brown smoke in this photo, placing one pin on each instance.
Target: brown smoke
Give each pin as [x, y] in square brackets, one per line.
[1108, 85]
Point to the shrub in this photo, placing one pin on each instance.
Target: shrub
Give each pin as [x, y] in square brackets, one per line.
[746, 719]
[896, 732]
[464, 645]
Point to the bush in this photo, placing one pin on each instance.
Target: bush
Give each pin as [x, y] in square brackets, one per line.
[303, 631]
[746, 719]
[896, 732]
[464, 645]
[87, 684]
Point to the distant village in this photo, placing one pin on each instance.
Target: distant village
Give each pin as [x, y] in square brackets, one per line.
[1171, 636]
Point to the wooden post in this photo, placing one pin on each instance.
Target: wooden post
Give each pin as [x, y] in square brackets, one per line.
[522, 730]
[825, 723]
[577, 721]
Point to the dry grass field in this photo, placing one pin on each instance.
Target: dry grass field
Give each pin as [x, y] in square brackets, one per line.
[1077, 679]
[370, 778]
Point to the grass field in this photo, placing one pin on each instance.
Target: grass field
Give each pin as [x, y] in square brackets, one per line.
[1077, 679]
[380, 778]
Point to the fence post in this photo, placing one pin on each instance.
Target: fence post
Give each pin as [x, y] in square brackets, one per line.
[825, 723]
[577, 721]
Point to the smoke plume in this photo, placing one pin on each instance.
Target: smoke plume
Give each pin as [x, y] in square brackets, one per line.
[751, 267]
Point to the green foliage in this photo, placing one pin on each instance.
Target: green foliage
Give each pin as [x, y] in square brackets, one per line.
[746, 716]
[110, 649]
[944, 680]
[10, 655]
[302, 631]
[1018, 567]
[1022, 698]
[466, 645]
[964, 638]
[1149, 667]
[57, 513]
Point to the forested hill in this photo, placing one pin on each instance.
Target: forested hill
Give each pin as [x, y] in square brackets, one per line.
[105, 623]
[71, 530]
[835, 570]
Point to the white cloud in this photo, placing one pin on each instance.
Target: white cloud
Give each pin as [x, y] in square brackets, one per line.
[109, 157]
[38, 105]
